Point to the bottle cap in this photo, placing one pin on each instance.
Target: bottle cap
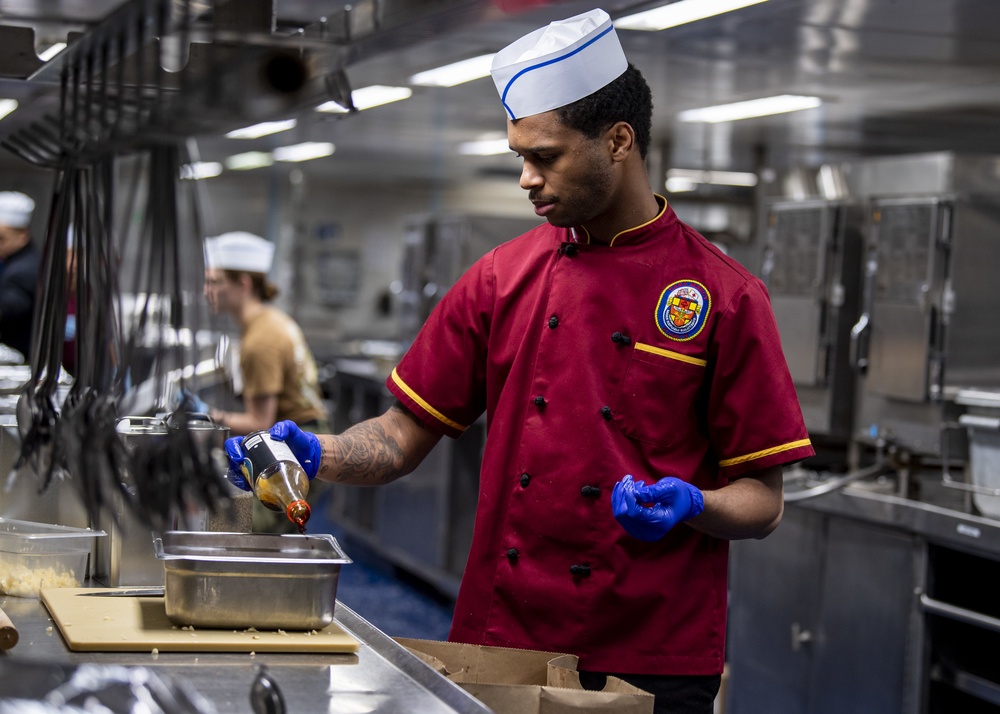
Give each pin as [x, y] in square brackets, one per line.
[298, 512]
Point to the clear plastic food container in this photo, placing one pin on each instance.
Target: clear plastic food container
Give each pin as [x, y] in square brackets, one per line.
[39, 555]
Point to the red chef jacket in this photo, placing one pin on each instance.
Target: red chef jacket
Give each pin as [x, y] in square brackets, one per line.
[656, 356]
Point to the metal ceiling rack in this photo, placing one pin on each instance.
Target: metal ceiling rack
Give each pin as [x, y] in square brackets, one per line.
[157, 69]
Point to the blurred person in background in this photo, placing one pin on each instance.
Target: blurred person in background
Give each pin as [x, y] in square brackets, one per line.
[280, 378]
[279, 374]
[19, 266]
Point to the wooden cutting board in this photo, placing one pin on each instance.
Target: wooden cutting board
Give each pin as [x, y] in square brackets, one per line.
[137, 624]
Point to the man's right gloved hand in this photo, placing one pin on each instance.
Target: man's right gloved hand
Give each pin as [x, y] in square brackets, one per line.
[304, 445]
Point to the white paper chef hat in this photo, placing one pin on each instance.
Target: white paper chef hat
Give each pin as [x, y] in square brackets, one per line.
[558, 64]
[239, 250]
[15, 209]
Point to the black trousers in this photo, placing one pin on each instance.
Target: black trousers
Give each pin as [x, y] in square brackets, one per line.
[674, 694]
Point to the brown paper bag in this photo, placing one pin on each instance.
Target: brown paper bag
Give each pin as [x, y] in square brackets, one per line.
[513, 681]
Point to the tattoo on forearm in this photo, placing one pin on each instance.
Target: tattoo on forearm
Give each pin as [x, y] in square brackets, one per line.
[362, 454]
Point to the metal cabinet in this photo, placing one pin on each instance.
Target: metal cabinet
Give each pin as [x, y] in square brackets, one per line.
[774, 595]
[961, 605]
[823, 619]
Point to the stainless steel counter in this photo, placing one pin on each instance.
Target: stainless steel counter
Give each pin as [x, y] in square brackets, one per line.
[939, 516]
[382, 676]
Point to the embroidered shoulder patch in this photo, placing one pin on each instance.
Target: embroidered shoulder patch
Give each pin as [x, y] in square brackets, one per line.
[683, 309]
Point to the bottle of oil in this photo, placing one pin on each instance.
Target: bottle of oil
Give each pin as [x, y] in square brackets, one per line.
[276, 477]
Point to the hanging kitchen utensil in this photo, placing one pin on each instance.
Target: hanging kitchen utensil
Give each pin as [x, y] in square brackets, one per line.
[73, 435]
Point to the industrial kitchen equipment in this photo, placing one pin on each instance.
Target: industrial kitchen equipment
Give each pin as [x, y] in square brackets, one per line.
[928, 329]
[812, 268]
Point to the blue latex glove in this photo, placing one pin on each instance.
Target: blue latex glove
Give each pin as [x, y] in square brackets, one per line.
[234, 450]
[667, 502]
[304, 445]
[190, 402]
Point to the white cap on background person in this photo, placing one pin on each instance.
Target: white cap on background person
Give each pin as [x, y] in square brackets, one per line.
[239, 250]
[558, 64]
[15, 209]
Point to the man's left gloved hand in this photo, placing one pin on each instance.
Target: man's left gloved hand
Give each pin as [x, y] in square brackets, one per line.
[649, 512]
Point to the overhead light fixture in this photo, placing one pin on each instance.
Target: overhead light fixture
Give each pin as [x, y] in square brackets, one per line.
[368, 97]
[455, 73]
[263, 129]
[51, 51]
[249, 160]
[304, 151]
[719, 178]
[485, 147]
[201, 170]
[680, 185]
[679, 13]
[7, 106]
[749, 109]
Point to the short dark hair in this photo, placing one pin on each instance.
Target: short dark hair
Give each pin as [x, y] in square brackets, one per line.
[626, 99]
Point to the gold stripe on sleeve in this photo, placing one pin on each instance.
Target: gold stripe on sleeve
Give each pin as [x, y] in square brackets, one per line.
[670, 354]
[427, 407]
[766, 452]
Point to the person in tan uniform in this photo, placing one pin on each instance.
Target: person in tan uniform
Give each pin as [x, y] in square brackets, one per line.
[280, 379]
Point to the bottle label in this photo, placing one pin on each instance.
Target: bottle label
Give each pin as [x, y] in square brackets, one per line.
[262, 453]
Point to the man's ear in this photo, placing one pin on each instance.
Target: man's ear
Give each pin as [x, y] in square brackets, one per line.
[621, 140]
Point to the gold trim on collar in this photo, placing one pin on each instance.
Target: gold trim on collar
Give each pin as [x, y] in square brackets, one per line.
[643, 225]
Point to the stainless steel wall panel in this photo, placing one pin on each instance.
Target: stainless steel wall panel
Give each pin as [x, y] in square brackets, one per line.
[799, 325]
[915, 426]
[901, 175]
[899, 352]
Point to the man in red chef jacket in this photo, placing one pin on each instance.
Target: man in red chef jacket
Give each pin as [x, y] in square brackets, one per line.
[639, 408]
